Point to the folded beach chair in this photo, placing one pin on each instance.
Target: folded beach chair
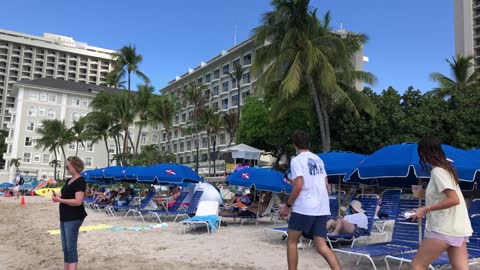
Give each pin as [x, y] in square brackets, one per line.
[88, 201]
[207, 214]
[473, 247]
[369, 205]
[192, 207]
[474, 208]
[176, 205]
[389, 209]
[129, 208]
[405, 238]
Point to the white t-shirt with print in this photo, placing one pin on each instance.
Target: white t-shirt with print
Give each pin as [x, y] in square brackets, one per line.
[453, 221]
[359, 219]
[313, 199]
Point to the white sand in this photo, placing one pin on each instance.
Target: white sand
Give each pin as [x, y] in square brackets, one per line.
[25, 244]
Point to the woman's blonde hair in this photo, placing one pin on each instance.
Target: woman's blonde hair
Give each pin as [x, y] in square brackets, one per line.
[77, 163]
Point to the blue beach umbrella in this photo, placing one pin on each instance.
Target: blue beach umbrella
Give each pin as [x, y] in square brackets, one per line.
[6, 185]
[260, 179]
[475, 153]
[340, 163]
[164, 173]
[399, 166]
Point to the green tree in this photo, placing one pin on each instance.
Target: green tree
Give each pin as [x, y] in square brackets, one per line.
[163, 110]
[114, 78]
[98, 128]
[463, 76]
[142, 105]
[230, 119]
[206, 122]
[15, 162]
[78, 130]
[237, 75]
[127, 60]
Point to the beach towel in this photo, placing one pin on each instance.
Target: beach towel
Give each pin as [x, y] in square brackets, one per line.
[84, 228]
[213, 221]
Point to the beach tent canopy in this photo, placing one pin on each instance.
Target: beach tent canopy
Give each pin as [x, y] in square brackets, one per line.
[244, 151]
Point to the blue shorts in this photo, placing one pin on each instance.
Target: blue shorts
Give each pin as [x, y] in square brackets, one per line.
[310, 226]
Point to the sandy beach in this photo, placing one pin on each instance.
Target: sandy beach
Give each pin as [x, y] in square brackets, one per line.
[26, 244]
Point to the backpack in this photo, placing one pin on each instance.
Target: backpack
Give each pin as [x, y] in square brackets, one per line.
[21, 182]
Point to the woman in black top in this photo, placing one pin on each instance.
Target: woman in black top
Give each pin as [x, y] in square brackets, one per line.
[72, 211]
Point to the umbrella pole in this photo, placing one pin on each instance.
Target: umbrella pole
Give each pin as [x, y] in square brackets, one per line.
[338, 194]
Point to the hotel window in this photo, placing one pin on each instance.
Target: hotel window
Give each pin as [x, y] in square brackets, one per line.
[204, 142]
[200, 81]
[163, 148]
[76, 101]
[216, 89]
[225, 86]
[39, 125]
[226, 69]
[246, 78]
[32, 111]
[247, 59]
[207, 93]
[43, 97]
[223, 139]
[164, 136]
[75, 116]
[85, 102]
[89, 147]
[188, 159]
[181, 160]
[111, 149]
[71, 146]
[208, 78]
[182, 146]
[234, 100]
[30, 126]
[36, 157]
[216, 74]
[41, 111]
[33, 96]
[245, 94]
[46, 158]
[143, 138]
[225, 104]
[176, 133]
[88, 162]
[52, 98]
[154, 138]
[51, 114]
[189, 145]
[236, 63]
[155, 127]
[177, 119]
[174, 148]
[29, 141]
[215, 105]
[184, 117]
[27, 157]
[204, 158]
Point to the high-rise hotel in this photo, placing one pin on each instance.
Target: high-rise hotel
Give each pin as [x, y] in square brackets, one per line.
[467, 28]
[28, 57]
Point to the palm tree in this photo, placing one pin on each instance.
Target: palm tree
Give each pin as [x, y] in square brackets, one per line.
[114, 78]
[97, 129]
[237, 75]
[128, 59]
[142, 105]
[78, 129]
[205, 122]
[217, 125]
[195, 97]
[303, 54]
[163, 110]
[55, 164]
[231, 124]
[15, 162]
[464, 75]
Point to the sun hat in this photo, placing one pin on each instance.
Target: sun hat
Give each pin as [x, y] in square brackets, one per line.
[357, 206]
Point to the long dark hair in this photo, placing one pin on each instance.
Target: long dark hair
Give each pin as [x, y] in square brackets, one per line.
[430, 151]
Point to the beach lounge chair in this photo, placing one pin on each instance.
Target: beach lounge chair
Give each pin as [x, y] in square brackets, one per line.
[369, 204]
[474, 208]
[404, 238]
[206, 214]
[473, 248]
[389, 209]
[129, 208]
[192, 207]
[174, 208]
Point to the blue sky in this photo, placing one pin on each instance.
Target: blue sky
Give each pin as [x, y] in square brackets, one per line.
[409, 39]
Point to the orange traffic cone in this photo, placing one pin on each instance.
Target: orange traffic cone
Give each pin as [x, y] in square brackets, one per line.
[22, 201]
[32, 193]
[8, 194]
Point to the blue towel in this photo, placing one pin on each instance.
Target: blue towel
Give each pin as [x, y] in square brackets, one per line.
[213, 221]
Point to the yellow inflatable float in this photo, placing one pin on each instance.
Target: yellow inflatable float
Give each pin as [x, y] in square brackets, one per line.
[47, 192]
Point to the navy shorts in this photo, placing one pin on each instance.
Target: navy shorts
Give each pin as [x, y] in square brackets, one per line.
[310, 226]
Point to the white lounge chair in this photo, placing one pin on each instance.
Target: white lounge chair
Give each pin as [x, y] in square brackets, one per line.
[207, 214]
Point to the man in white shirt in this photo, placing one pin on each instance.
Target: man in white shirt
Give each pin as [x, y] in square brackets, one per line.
[308, 203]
[357, 222]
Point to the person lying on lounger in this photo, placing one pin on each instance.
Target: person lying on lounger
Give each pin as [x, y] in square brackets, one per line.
[357, 222]
[252, 209]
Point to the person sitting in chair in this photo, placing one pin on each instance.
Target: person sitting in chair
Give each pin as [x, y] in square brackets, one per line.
[357, 222]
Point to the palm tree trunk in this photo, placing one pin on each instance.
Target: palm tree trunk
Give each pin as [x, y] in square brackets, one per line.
[125, 146]
[138, 138]
[76, 150]
[64, 161]
[105, 138]
[208, 157]
[321, 119]
[327, 124]
[238, 102]
[129, 73]
[131, 142]
[55, 165]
